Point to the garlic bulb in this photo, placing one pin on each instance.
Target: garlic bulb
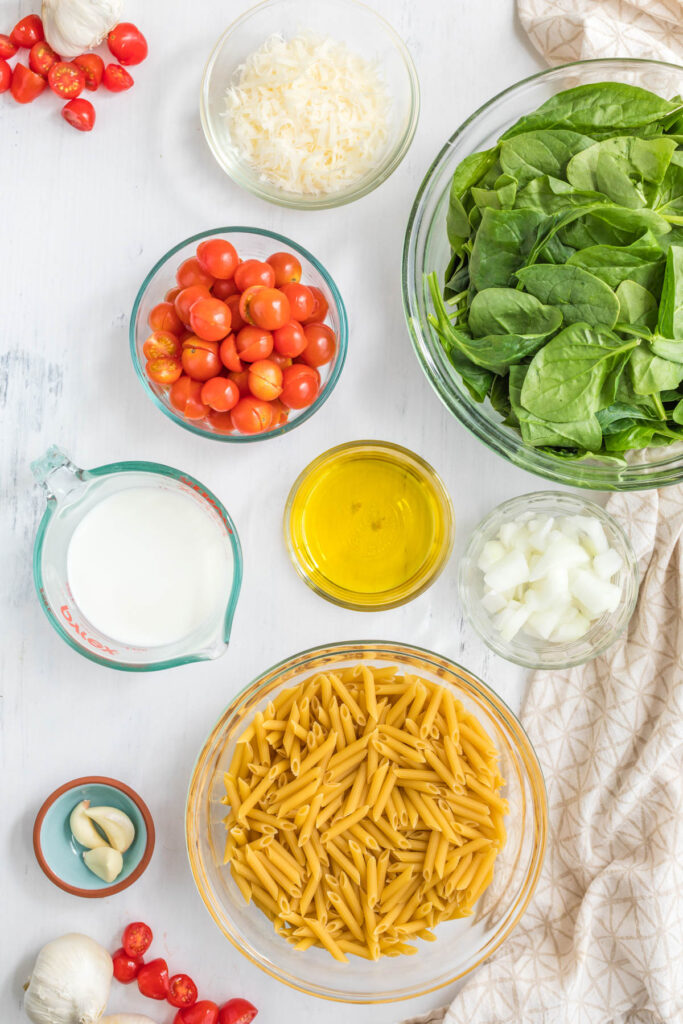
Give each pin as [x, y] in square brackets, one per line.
[127, 1018]
[104, 862]
[82, 828]
[74, 26]
[70, 982]
[116, 825]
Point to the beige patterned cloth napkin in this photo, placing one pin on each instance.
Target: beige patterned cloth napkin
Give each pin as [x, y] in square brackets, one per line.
[602, 939]
[565, 30]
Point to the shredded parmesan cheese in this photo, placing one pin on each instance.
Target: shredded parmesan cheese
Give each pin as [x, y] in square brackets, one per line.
[308, 114]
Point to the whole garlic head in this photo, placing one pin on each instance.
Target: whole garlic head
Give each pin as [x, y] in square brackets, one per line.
[70, 982]
[74, 26]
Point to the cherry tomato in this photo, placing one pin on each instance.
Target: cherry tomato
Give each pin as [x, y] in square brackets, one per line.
[233, 304]
[126, 967]
[287, 268]
[267, 307]
[280, 414]
[236, 1011]
[220, 394]
[201, 363]
[28, 32]
[253, 343]
[192, 341]
[244, 300]
[7, 47]
[137, 938]
[186, 397]
[253, 272]
[223, 290]
[203, 1012]
[5, 76]
[221, 422]
[219, 258]
[182, 991]
[210, 319]
[187, 297]
[41, 58]
[241, 379]
[229, 356]
[289, 340]
[321, 307]
[162, 344]
[79, 114]
[92, 66]
[300, 386]
[301, 301]
[252, 416]
[164, 370]
[191, 272]
[66, 80]
[26, 84]
[321, 345]
[116, 79]
[265, 379]
[127, 43]
[164, 318]
[153, 979]
[281, 361]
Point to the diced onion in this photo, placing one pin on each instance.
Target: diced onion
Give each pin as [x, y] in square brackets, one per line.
[549, 577]
[308, 114]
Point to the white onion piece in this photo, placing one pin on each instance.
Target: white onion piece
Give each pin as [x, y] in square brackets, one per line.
[549, 577]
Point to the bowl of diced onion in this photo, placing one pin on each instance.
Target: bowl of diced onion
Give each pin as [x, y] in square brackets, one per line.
[548, 580]
[309, 105]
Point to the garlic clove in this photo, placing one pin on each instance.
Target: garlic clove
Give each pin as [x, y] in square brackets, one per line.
[82, 828]
[104, 862]
[116, 825]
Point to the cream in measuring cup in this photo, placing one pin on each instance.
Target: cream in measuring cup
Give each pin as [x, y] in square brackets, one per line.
[137, 565]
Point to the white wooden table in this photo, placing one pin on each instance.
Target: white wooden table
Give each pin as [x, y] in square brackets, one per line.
[83, 217]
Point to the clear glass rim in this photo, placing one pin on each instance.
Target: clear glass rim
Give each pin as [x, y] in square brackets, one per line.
[511, 447]
[439, 560]
[305, 414]
[159, 469]
[469, 682]
[393, 158]
[580, 505]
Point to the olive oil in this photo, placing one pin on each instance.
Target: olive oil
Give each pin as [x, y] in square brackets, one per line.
[369, 524]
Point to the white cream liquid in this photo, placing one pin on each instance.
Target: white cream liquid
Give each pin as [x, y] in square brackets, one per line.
[148, 566]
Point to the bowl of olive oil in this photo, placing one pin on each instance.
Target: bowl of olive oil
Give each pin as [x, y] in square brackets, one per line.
[369, 525]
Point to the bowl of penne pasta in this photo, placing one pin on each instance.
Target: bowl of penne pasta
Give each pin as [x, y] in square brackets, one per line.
[362, 803]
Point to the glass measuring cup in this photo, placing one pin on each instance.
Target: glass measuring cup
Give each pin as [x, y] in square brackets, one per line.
[72, 493]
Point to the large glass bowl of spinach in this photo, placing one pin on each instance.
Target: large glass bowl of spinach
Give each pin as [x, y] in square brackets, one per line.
[543, 274]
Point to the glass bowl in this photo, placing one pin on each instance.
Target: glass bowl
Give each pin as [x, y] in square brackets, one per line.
[426, 249]
[462, 944]
[350, 22]
[526, 650]
[251, 243]
[297, 535]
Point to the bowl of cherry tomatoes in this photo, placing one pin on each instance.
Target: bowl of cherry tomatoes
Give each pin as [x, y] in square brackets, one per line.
[238, 334]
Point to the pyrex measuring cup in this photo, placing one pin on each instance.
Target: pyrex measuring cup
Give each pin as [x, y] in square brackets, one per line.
[71, 494]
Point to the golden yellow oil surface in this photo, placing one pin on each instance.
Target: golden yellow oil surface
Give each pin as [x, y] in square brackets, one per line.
[366, 523]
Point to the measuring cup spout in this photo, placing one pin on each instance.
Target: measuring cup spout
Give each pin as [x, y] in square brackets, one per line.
[56, 473]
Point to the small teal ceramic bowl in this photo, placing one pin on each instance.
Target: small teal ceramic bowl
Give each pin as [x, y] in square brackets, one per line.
[61, 857]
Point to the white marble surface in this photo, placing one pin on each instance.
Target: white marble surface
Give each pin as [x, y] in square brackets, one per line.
[83, 218]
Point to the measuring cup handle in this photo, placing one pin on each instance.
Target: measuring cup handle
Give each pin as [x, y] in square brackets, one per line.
[56, 473]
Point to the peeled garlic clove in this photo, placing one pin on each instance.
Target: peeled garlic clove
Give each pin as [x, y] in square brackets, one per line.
[117, 826]
[127, 1018]
[104, 862]
[82, 828]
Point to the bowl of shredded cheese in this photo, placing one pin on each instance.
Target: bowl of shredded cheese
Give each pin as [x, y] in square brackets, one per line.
[310, 105]
[366, 821]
